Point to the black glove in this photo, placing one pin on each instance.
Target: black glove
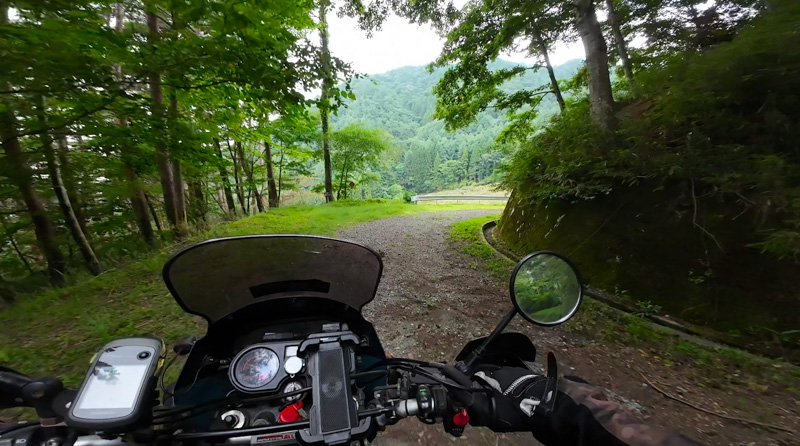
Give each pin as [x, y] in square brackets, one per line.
[516, 393]
[582, 415]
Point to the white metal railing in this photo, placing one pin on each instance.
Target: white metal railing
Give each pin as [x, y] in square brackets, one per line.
[458, 198]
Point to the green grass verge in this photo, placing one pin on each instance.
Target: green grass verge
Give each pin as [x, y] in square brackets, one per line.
[467, 234]
[56, 332]
[713, 367]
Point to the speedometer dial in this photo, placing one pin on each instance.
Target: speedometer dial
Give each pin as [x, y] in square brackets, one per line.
[256, 368]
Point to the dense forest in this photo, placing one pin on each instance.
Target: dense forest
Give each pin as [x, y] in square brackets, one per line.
[666, 163]
[128, 125]
[429, 157]
[146, 121]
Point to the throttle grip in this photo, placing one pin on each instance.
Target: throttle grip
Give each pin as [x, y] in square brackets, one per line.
[482, 410]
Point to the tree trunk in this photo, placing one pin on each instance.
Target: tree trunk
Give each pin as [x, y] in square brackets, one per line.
[153, 212]
[342, 180]
[251, 184]
[140, 208]
[54, 171]
[137, 196]
[280, 176]
[197, 201]
[21, 176]
[223, 174]
[619, 41]
[542, 47]
[162, 157]
[324, 106]
[272, 187]
[236, 177]
[180, 196]
[71, 184]
[601, 101]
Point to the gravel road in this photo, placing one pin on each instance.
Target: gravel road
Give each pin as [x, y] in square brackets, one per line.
[431, 301]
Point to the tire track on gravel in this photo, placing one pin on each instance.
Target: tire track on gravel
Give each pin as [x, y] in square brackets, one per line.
[430, 302]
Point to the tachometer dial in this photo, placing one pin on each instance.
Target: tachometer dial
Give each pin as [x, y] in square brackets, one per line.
[256, 368]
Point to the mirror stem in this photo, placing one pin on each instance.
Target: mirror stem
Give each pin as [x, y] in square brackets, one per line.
[464, 366]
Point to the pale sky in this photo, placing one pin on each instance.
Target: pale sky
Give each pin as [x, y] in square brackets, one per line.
[400, 43]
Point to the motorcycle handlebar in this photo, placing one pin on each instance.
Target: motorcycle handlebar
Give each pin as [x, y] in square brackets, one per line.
[13, 383]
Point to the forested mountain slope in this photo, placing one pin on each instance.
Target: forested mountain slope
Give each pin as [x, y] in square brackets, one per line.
[402, 103]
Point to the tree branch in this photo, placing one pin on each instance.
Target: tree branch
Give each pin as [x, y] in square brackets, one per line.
[711, 412]
[72, 120]
[694, 218]
[187, 87]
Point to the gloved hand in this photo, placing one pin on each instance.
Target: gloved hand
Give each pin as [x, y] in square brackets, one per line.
[582, 414]
[517, 392]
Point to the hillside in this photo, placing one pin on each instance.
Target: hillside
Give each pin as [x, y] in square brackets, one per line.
[402, 103]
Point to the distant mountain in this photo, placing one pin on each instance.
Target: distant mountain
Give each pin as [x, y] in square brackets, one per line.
[401, 102]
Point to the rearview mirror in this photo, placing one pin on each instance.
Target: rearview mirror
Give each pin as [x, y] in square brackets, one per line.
[546, 289]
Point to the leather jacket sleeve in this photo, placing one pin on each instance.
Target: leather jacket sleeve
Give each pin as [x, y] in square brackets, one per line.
[583, 416]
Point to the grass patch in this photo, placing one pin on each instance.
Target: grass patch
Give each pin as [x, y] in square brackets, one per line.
[467, 234]
[56, 332]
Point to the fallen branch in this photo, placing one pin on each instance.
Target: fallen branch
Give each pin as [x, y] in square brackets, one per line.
[711, 412]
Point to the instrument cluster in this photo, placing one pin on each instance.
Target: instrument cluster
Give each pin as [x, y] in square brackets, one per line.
[266, 367]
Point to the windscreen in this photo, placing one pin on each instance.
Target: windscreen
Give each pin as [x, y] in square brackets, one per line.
[215, 278]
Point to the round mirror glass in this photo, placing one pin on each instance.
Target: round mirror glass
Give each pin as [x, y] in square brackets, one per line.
[546, 289]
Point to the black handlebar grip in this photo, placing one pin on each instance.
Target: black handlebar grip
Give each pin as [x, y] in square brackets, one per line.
[481, 413]
[13, 383]
[466, 398]
[40, 393]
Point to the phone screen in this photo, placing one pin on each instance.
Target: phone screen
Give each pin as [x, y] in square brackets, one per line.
[115, 382]
[114, 387]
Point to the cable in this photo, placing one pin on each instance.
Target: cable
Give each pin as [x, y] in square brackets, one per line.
[380, 373]
[390, 361]
[433, 377]
[196, 375]
[163, 373]
[368, 372]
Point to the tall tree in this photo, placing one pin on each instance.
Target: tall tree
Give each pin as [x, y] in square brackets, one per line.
[177, 173]
[135, 193]
[247, 164]
[166, 174]
[223, 175]
[327, 90]
[356, 148]
[19, 172]
[619, 41]
[54, 172]
[197, 202]
[541, 45]
[601, 101]
[271, 186]
[237, 162]
[70, 182]
[483, 31]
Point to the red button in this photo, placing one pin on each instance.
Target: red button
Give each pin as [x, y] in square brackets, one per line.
[461, 418]
[291, 413]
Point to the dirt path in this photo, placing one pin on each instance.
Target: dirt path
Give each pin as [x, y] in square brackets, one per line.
[433, 299]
